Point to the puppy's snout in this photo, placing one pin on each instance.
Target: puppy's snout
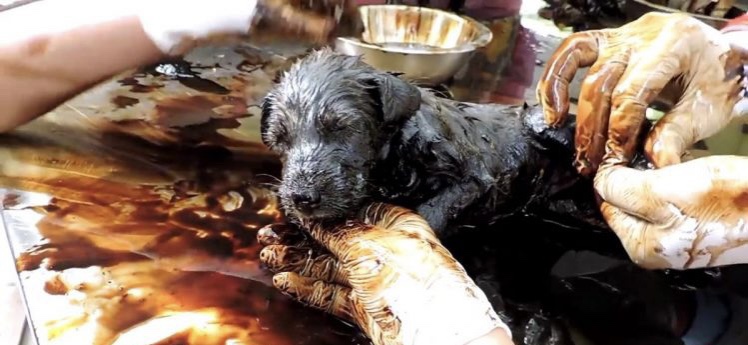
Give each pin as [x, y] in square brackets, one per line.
[307, 200]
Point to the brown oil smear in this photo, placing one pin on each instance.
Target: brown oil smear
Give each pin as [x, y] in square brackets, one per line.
[136, 86]
[124, 101]
[669, 219]
[150, 232]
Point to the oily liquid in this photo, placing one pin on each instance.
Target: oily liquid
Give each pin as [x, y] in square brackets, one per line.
[168, 262]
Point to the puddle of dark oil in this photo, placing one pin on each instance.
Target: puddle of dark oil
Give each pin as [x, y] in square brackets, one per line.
[186, 247]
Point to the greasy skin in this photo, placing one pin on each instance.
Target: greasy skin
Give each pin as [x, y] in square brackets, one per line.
[386, 272]
[317, 20]
[629, 67]
[688, 215]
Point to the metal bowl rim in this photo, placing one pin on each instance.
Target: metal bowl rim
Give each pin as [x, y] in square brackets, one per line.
[483, 38]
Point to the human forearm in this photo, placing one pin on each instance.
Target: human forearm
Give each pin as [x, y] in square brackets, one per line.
[40, 72]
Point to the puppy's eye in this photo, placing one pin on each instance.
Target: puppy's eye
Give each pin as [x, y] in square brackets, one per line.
[276, 137]
[280, 137]
[333, 124]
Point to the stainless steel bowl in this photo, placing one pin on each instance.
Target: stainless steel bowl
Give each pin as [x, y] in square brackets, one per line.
[427, 45]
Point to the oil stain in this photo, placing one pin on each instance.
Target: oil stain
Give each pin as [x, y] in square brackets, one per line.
[137, 87]
[741, 201]
[182, 71]
[123, 101]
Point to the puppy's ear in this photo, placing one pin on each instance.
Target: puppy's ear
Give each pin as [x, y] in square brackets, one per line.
[267, 109]
[396, 97]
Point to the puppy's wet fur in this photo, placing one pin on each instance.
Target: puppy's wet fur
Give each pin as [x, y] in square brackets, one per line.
[348, 133]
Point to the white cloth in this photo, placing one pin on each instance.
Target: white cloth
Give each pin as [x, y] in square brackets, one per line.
[170, 22]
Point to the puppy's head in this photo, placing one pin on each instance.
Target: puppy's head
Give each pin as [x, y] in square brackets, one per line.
[329, 118]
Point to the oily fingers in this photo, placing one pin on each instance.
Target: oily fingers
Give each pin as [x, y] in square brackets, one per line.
[304, 261]
[594, 108]
[332, 298]
[579, 50]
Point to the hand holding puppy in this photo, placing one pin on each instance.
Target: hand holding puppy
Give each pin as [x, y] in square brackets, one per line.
[386, 272]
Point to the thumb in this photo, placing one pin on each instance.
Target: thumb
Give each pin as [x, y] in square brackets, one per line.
[668, 140]
[331, 298]
[339, 239]
[630, 191]
[635, 237]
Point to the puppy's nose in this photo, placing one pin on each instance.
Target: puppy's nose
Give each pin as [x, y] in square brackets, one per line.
[306, 200]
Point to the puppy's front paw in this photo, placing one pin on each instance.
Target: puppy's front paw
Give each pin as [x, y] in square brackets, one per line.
[435, 216]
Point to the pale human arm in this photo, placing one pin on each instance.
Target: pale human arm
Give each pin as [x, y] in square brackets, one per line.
[50, 50]
[43, 65]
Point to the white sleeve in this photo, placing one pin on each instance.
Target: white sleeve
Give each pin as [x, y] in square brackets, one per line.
[170, 22]
[167, 22]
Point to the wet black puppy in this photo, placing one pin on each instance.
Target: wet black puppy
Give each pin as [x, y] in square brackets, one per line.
[348, 133]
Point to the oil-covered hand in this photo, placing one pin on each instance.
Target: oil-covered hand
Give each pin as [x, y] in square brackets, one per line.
[672, 55]
[317, 20]
[688, 215]
[386, 272]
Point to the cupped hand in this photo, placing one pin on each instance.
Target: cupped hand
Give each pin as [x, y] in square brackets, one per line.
[318, 20]
[688, 215]
[672, 55]
[386, 272]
